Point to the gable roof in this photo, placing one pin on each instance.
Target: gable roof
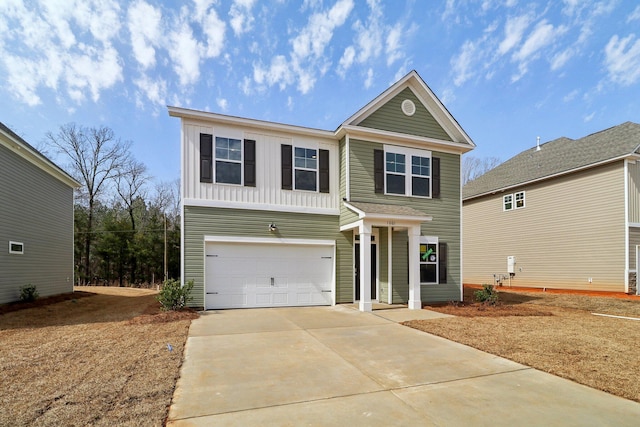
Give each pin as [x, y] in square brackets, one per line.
[426, 96]
[22, 148]
[558, 157]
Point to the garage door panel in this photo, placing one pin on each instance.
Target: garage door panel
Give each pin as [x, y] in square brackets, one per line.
[267, 275]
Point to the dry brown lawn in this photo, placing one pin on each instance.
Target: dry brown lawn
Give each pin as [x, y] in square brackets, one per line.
[556, 333]
[98, 356]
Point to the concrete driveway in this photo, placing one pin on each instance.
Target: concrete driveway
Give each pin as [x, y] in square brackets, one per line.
[339, 366]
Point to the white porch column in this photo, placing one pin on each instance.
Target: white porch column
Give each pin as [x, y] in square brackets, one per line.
[415, 303]
[365, 267]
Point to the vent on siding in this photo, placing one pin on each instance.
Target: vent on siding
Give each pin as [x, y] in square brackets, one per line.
[408, 107]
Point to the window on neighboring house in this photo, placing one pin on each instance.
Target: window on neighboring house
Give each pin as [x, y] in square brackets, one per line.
[429, 260]
[508, 202]
[16, 248]
[407, 172]
[228, 160]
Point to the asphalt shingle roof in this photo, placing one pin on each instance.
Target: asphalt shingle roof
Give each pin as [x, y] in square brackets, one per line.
[382, 209]
[558, 156]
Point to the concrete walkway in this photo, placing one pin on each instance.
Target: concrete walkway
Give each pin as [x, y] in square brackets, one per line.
[338, 366]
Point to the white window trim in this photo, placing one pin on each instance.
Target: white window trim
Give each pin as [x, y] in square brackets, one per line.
[408, 173]
[316, 170]
[432, 240]
[515, 200]
[514, 205]
[20, 252]
[215, 160]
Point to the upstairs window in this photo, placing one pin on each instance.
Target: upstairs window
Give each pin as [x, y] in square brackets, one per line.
[420, 176]
[306, 169]
[407, 171]
[228, 161]
[395, 171]
[513, 201]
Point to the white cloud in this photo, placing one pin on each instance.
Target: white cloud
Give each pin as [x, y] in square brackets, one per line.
[393, 49]
[560, 59]
[463, 63]
[347, 60]
[622, 59]
[222, 103]
[542, 35]
[571, 96]
[154, 90]
[44, 49]
[369, 80]
[307, 56]
[143, 21]
[184, 51]
[635, 15]
[589, 117]
[241, 18]
[214, 29]
[513, 31]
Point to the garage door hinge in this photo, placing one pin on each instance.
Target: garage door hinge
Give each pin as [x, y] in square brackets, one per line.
[215, 256]
[326, 290]
[212, 293]
[325, 257]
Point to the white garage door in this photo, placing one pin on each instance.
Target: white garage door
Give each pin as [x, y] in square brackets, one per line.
[241, 275]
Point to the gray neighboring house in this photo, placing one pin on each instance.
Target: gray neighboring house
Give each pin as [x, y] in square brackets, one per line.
[564, 215]
[36, 221]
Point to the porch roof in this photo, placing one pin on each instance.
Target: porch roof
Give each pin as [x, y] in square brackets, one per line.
[366, 210]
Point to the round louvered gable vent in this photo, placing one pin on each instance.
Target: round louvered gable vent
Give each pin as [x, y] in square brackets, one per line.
[408, 107]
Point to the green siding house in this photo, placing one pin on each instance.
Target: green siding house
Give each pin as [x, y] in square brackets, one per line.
[36, 221]
[282, 215]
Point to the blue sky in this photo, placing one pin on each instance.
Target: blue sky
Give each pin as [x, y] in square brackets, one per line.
[508, 70]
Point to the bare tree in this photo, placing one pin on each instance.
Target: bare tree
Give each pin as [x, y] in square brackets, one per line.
[473, 167]
[130, 185]
[96, 156]
[167, 198]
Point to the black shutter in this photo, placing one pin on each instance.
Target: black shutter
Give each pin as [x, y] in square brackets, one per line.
[287, 167]
[436, 177]
[442, 262]
[323, 169]
[249, 163]
[378, 170]
[206, 157]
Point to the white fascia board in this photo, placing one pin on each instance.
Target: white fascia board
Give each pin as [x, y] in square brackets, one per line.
[426, 97]
[544, 178]
[387, 137]
[268, 240]
[37, 159]
[260, 207]
[351, 225]
[186, 113]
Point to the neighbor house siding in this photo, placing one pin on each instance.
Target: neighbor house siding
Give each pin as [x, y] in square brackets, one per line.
[445, 211]
[634, 240]
[391, 118]
[267, 191]
[634, 191]
[201, 221]
[36, 210]
[572, 228]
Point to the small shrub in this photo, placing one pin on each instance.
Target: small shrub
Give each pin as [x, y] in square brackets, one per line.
[487, 295]
[28, 293]
[174, 296]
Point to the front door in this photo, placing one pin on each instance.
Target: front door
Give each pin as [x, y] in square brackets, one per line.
[374, 257]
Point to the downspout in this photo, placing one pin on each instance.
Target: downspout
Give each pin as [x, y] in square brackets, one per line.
[626, 228]
[347, 169]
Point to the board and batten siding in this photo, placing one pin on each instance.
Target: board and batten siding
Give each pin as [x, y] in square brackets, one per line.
[571, 229]
[268, 190]
[36, 209]
[203, 221]
[444, 210]
[390, 117]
